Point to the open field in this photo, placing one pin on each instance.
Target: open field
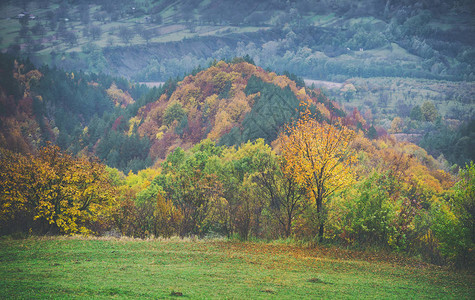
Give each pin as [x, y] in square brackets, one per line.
[61, 267]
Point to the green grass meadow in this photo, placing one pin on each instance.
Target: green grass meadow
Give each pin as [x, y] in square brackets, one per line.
[62, 267]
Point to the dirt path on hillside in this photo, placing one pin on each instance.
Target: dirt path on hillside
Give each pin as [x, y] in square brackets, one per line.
[322, 83]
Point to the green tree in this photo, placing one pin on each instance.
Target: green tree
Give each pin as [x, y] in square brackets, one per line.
[416, 113]
[429, 111]
[370, 213]
[126, 34]
[190, 186]
[372, 133]
[454, 224]
[172, 113]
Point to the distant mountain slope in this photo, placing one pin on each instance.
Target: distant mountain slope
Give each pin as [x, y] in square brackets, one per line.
[325, 39]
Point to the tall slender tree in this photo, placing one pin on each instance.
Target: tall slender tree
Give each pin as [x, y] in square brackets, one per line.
[320, 156]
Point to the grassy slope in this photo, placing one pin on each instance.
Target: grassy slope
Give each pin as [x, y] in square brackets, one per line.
[79, 268]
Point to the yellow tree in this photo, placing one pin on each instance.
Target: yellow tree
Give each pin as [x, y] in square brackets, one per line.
[320, 157]
[77, 192]
[54, 189]
[21, 188]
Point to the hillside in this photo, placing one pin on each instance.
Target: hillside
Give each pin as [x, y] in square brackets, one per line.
[226, 103]
[434, 114]
[229, 103]
[49, 105]
[129, 126]
[331, 40]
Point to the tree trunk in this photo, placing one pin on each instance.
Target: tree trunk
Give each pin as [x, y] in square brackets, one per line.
[289, 225]
[320, 219]
[320, 231]
[319, 202]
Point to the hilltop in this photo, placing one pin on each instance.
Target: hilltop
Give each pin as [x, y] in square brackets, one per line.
[228, 103]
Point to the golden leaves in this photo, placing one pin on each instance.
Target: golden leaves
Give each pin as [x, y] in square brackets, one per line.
[54, 187]
[25, 79]
[319, 156]
[118, 96]
[222, 124]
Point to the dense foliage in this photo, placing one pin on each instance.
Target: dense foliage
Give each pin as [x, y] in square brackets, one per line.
[456, 145]
[53, 192]
[398, 199]
[224, 163]
[76, 111]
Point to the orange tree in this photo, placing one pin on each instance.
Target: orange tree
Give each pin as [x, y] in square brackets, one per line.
[320, 157]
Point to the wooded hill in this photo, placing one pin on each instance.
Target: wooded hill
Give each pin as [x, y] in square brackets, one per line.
[130, 127]
[229, 103]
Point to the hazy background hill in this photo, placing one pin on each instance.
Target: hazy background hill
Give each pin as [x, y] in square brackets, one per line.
[328, 39]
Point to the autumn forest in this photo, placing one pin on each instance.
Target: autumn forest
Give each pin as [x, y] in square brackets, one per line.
[231, 151]
[234, 150]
